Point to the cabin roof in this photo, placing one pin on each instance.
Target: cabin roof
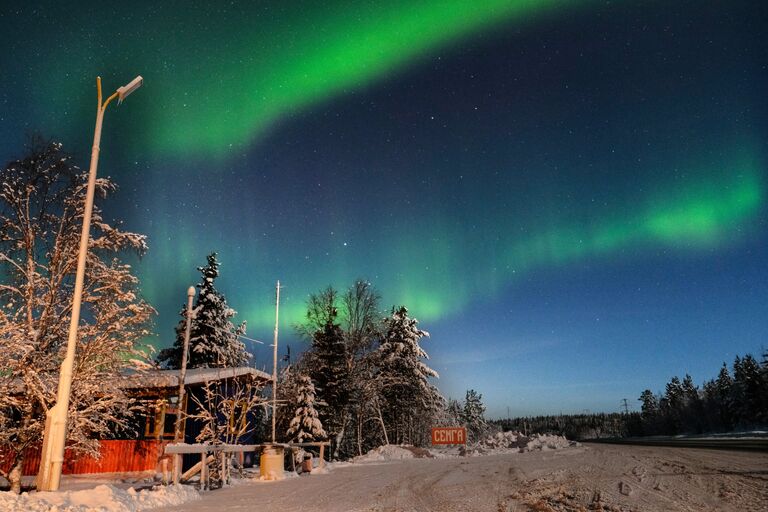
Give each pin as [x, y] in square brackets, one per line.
[170, 378]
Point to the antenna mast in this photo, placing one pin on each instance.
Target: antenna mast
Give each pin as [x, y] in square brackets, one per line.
[274, 361]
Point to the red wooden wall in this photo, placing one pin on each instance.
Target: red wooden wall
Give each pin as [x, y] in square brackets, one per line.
[116, 456]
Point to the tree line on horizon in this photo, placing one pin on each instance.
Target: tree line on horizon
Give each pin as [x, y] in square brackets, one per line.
[736, 400]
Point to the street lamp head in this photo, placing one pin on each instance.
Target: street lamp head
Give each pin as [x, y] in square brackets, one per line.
[124, 91]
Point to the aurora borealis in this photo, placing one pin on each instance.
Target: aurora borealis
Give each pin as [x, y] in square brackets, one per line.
[571, 196]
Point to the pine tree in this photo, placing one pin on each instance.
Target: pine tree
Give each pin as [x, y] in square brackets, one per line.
[409, 399]
[693, 420]
[453, 412]
[746, 390]
[724, 390]
[762, 415]
[474, 415]
[305, 425]
[327, 364]
[649, 406]
[214, 341]
[674, 403]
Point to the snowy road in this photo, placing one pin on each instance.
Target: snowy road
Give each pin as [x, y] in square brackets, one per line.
[616, 478]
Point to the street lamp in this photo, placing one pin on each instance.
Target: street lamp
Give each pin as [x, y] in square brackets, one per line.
[55, 434]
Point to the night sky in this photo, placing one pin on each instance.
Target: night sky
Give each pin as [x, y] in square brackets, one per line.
[569, 195]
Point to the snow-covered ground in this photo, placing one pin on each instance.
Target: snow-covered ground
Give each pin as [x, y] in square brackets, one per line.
[504, 473]
[595, 477]
[102, 498]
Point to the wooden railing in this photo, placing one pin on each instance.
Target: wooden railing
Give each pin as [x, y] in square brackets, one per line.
[208, 453]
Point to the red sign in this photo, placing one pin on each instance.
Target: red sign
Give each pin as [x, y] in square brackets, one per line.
[449, 435]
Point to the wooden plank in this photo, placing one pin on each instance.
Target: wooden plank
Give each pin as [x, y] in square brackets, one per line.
[194, 469]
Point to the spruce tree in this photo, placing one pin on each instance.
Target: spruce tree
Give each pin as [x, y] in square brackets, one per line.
[409, 398]
[305, 425]
[746, 390]
[214, 340]
[693, 416]
[327, 363]
[723, 390]
[474, 415]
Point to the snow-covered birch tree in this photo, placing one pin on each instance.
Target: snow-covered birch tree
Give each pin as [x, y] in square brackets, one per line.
[222, 410]
[214, 340]
[41, 214]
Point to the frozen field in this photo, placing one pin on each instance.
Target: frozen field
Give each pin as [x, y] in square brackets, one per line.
[594, 477]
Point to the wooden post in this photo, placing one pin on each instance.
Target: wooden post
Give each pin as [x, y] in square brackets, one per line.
[204, 472]
[322, 460]
[176, 468]
[224, 459]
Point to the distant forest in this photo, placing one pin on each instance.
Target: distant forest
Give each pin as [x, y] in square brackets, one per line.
[735, 400]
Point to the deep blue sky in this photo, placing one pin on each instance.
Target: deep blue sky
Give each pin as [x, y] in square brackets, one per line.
[570, 196]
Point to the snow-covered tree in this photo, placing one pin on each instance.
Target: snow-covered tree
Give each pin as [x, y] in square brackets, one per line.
[305, 425]
[451, 414]
[723, 389]
[328, 365]
[222, 411]
[746, 393]
[214, 340]
[649, 406]
[410, 400]
[41, 215]
[474, 415]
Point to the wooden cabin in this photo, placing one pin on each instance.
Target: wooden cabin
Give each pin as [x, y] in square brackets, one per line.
[158, 390]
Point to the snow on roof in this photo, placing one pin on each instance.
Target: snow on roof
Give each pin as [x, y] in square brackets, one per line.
[170, 378]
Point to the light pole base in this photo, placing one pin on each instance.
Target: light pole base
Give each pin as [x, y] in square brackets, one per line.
[51, 459]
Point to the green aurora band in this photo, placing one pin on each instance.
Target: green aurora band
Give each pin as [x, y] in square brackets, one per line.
[326, 51]
[204, 93]
[709, 214]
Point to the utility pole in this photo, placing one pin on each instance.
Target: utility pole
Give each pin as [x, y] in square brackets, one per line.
[182, 375]
[274, 360]
[626, 405]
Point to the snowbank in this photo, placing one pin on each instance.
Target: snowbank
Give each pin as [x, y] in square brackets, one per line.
[506, 442]
[103, 498]
[515, 441]
[390, 452]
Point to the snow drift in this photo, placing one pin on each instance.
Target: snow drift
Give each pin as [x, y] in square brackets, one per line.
[103, 498]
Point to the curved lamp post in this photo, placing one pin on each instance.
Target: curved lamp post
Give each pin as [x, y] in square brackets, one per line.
[55, 434]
